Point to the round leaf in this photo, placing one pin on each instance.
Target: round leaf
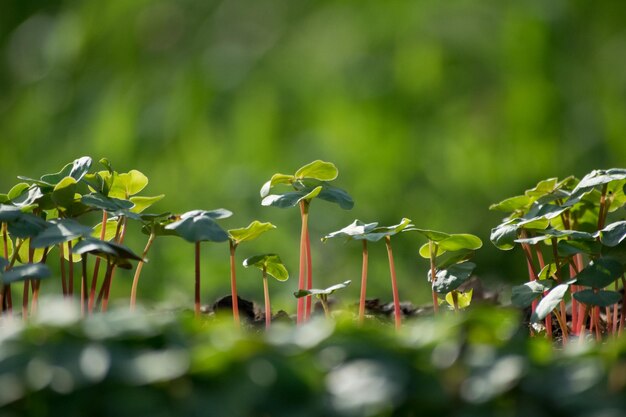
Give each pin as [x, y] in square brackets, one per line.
[503, 236]
[22, 254]
[251, 232]
[128, 184]
[9, 213]
[64, 192]
[600, 298]
[102, 202]
[354, 230]
[199, 226]
[549, 303]
[600, 273]
[433, 235]
[520, 202]
[337, 196]
[319, 170]
[58, 231]
[460, 241]
[613, 234]
[142, 203]
[26, 225]
[290, 199]
[275, 180]
[29, 271]
[326, 291]
[523, 295]
[450, 279]
[272, 264]
[112, 252]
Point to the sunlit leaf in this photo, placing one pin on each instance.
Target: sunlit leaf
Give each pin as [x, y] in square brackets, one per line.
[355, 230]
[102, 202]
[318, 292]
[613, 234]
[520, 202]
[128, 184]
[337, 196]
[109, 233]
[272, 264]
[463, 299]
[319, 170]
[451, 278]
[198, 225]
[250, 232]
[142, 203]
[112, 252]
[64, 192]
[9, 213]
[23, 253]
[504, 235]
[290, 199]
[523, 295]
[549, 302]
[275, 180]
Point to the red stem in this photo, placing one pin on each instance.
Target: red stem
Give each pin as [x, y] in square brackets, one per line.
[62, 263]
[133, 291]
[83, 286]
[303, 273]
[268, 308]
[197, 283]
[71, 269]
[96, 266]
[233, 284]
[309, 273]
[363, 283]
[394, 284]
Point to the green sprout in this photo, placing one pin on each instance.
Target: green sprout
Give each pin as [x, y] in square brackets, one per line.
[322, 295]
[269, 264]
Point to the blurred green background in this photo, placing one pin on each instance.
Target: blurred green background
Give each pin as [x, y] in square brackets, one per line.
[431, 110]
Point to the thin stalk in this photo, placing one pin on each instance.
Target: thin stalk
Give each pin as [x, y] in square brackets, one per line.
[197, 283]
[433, 274]
[62, 263]
[581, 334]
[363, 283]
[6, 289]
[532, 273]
[604, 209]
[394, 284]
[106, 286]
[119, 238]
[36, 284]
[455, 300]
[563, 314]
[300, 316]
[83, 286]
[27, 285]
[71, 269]
[324, 301]
[133, 291]
[542, 264]
[622, 317]
[309, 273]
[233, 283]
[96, 265]
[266, 294]
[596, 320]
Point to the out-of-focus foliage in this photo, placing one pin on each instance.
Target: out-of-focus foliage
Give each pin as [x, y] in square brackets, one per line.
[151, 364]
[430, 110]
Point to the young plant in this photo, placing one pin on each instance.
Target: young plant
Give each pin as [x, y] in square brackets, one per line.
[269, 264]
[357, 230]
[322, 295]
[197, 226]
[236, 237]
[448, 273]
[309, 182]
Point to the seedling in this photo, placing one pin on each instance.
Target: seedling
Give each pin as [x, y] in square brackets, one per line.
[269, 264]
[322, 295]
[357, 230]
[236, 237]
[197, 226]
[448, 273]
[309, 182]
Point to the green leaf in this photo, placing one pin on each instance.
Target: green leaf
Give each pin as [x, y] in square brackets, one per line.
[9, 247]
[109, 233]
[80, 167]
[64, 192]
[319, 170]
[3, 261]
[9, 213]
[107, 164]
[451, 278]
[290, 199]
[616, 195]
[600, 298]
[23, 272]
[113, 252]
[128, 184]
[542, 188]
[251, 232]
[548, 271]
[325, 292]
[600, 273]
[355, 230]
[613, 234]
[550, 233]
[102, 202]
[17, 190]
[22, 254]
[463, 299]
[594, 179]
[337, 196]
[523, 295]
[272, 264]
[549, 303]
[504, 235]
[199, 225]
[433, 235]
[451, 258]
[26, 225]
[573, 247]
[517, 203]
[29, 198]
[458, 242]
[142, 203]
[275, 180]
[4, 198]
[58, 231]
